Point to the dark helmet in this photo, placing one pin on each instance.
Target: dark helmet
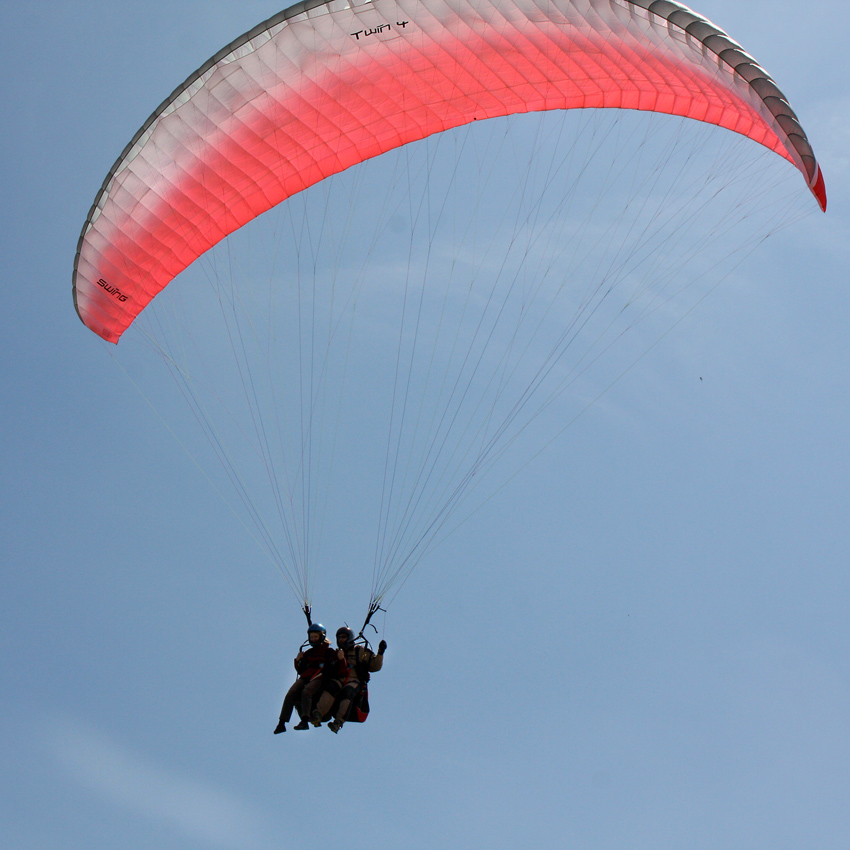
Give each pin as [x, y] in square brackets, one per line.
[317, 627]
[346, 633]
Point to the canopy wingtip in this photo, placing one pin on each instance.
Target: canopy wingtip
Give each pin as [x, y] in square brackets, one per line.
[819, 189]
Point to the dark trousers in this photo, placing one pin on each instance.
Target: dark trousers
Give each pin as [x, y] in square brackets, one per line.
[301, 694]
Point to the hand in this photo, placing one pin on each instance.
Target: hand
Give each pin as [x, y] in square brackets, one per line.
[340, 655]
[382, 647]
[299, 657]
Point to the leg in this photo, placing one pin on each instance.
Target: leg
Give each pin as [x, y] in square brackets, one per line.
[288, 704]
[345, 698]
[311, 689]
[326, 702]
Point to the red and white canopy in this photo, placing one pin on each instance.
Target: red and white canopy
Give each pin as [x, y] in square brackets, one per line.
[325, 85]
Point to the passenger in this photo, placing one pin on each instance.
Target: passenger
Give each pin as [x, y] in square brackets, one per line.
[357, 662]
[316, 668]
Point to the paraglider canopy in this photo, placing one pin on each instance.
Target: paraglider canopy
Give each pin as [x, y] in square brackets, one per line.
[327, 84]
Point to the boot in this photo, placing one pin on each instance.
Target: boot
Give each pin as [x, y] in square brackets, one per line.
[281, 727]
[302, 725]
[335, 726]
[316, 718]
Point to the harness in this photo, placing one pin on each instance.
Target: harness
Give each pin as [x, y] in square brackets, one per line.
[313, 665]
[357, 667]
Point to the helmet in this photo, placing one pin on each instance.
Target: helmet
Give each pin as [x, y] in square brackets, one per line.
[347, 633]
[317, 627]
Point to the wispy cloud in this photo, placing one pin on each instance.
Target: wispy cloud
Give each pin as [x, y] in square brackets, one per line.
[133, 781]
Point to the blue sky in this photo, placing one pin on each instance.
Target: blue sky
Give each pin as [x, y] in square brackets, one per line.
[642, 642]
